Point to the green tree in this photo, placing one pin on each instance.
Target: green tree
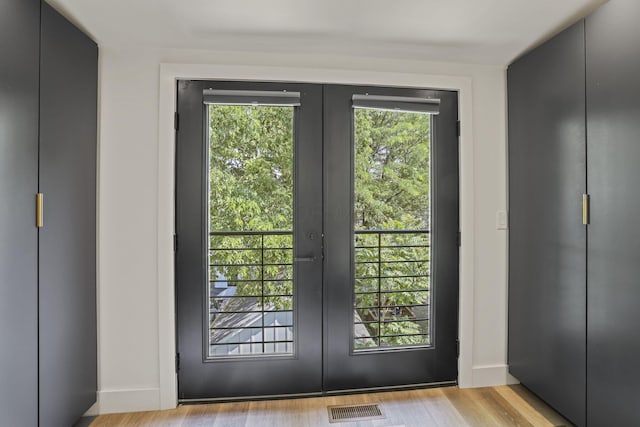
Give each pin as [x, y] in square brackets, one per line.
[251, 168]
[391, 170]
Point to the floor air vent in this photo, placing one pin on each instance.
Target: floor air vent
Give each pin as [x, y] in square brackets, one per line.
[368, 411]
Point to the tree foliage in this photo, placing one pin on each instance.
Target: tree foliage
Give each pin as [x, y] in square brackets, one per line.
[251, 168]
[391, 170]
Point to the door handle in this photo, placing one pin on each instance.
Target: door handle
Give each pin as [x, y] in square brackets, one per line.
[304, 259]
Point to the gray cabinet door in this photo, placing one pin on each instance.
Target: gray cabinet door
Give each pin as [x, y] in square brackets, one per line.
[67, 289]
[613, 105]
[19, 32]
[547, 240]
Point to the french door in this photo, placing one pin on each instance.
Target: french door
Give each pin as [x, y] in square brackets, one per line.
[316, 238]
[391, 224]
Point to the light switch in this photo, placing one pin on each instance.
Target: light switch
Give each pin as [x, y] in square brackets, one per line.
[501, 220]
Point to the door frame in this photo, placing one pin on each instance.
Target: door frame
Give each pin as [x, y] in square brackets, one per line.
[171, 73]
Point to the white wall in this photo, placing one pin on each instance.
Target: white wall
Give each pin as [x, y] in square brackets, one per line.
[129, 321]
[127, 237]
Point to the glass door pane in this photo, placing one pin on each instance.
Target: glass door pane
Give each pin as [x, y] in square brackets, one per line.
[391, 229]
[250, 230]
[392, 221]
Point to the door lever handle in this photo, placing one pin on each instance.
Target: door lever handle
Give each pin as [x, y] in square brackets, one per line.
[304, 259]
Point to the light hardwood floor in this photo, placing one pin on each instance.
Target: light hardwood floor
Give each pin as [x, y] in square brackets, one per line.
[508, 406]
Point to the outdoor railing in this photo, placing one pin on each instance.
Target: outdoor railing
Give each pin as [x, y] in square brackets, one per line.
[251, 290]
[391, 288]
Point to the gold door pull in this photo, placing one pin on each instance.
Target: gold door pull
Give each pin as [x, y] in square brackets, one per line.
[39, 210]
[585, 209]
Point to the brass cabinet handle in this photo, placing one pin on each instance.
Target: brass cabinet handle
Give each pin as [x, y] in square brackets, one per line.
[585, 209]
[39, 210]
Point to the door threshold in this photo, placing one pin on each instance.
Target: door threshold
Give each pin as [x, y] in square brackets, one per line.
[249, 398]
[316, 394]
[390, 388]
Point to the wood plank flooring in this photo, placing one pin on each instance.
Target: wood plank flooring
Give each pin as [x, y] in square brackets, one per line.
[509, 406]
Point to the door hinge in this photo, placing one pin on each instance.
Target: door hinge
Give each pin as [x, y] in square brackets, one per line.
[586, 208]
[458, 127]
[176, 120]
[457, 347]
[175, 243]
[177, 362]
[39, 210]
[459, 239]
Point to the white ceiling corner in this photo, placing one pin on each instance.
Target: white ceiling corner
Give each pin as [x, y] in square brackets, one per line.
[468, 31]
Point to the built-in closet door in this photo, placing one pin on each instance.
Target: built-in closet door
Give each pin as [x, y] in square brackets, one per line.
[19, 32]
[613, 123]
[67, 288]
[547, 239]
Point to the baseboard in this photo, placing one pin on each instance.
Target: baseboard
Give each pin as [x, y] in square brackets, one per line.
[492, 375]
[130, 400]
[148, 399]
[92, 411]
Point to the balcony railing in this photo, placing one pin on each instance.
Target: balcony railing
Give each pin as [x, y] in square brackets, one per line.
[391, 289]
[251, 291]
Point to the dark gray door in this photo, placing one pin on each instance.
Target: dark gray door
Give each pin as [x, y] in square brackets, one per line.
[547, 239]
[391, 228]
[249, 239]
[19, 47]
[67, 255]
[613, 106]
[266, 309]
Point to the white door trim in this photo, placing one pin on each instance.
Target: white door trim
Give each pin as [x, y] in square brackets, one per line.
[170, 73]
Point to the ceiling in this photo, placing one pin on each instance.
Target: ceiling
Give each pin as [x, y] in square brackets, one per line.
[470, 31]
